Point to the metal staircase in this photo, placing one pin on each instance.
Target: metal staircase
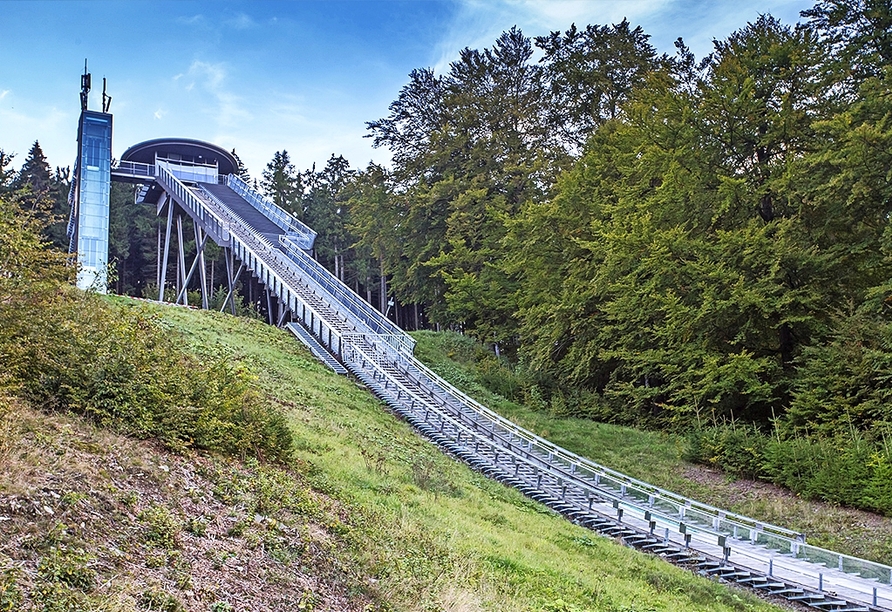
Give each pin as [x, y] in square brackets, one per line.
[349, 335]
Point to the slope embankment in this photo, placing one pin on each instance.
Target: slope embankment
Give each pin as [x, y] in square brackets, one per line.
[363, 515]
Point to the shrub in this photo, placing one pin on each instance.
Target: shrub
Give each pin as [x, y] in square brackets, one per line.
[67, 567]
[163, 527]
[737, 449]
[853, 470]
[64, 349]
[159, 601]
[118, 365]
[10, 594]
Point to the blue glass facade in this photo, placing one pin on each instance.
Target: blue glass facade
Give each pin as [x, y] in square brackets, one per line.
[94, 182]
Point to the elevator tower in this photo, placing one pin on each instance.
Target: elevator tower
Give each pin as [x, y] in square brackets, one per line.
[89, 199]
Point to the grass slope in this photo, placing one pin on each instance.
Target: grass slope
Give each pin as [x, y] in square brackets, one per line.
[655, 457]
[368, 516]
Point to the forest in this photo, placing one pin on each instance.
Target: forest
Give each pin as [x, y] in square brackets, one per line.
[644, 238]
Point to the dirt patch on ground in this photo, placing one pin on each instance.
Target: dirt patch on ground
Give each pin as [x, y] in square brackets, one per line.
[91, 520]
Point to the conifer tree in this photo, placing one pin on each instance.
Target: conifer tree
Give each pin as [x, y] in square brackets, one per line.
[35, 177]
[241, 170]
[283, 184]
[7, 174]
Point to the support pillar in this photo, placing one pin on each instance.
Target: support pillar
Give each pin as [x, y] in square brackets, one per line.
[200, 239]
[163, 277]
[198, 259]
[181, 264]
[231, 280]
[269, 306]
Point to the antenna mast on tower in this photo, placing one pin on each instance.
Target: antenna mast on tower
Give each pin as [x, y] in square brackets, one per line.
[85, 87]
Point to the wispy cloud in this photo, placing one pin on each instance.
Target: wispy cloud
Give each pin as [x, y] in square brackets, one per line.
[212, 75]
[3, 93]
[191, 20]
[211, 79]
[240, 21]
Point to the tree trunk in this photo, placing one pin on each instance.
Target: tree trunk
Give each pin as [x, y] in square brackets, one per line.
[382, 300]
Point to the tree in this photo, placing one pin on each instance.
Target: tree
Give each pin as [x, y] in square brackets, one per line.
[591, 73]
[42, 190]
[35, 177]
[327, 214]
[7, 174]
[374, 224]
[282, 183]
[415, 117]
[673, 273]
[132, 241]
[469, 147]
[241, 170]
[857, 35]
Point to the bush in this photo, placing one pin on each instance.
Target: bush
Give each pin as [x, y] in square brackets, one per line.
[737, 449]
[163, 528]
[10, 594]
[119, 366]
[853, 470]
[64, 349]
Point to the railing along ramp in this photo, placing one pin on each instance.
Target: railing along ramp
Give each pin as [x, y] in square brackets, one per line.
[341, 328]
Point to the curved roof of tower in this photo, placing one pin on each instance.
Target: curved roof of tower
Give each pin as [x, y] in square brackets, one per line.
[185, 149]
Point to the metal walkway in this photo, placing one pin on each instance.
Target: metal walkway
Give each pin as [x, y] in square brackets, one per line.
[348, 330]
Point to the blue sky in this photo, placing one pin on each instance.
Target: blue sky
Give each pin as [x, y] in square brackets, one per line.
[261, 77]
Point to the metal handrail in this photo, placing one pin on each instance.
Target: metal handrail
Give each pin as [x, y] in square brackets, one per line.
[346, 297]
[473, 430]
[690, 505]
[293, 226]
[264, 252]
[681, 526]
[134, 168]
[189, 199]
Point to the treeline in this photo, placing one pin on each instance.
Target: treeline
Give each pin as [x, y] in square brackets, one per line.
[651, 238]
[317, 197]
[659, 240]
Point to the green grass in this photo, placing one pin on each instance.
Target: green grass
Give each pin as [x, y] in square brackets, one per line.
[656, 457]
[430, 533]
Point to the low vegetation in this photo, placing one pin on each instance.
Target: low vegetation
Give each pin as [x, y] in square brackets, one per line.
[365, 515]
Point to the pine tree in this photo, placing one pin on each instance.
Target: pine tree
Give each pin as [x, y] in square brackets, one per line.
[282, 183]
[35, 177]
[242, 170]
[7, 174]
[327, 213]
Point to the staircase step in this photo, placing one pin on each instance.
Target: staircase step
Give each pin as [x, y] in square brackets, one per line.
[316, 347]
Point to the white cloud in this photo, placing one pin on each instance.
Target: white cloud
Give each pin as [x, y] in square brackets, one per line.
[192, 20]
[240, 21]
[209, 80]
[213, 74]
[3, 93]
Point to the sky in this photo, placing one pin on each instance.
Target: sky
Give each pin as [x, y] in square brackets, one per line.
[302, 76]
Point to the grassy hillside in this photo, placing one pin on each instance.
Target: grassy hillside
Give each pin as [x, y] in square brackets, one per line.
[656, 456]
[366, 516]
